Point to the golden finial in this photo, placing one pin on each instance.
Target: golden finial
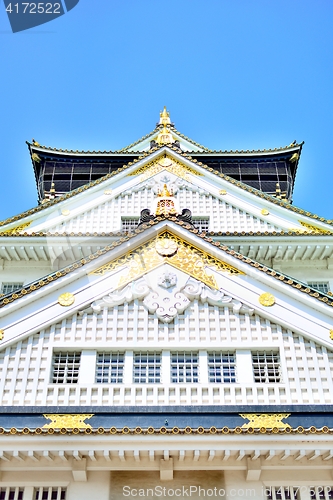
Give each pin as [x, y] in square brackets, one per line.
[165, 193]
[165, 117]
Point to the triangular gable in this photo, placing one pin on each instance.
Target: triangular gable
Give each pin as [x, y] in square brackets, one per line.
[239, 207]
[174, 309]
[272, 294]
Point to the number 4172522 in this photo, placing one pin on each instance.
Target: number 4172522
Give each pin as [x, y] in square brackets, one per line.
[34, 8]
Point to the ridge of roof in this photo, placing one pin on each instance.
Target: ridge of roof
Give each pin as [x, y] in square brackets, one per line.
[206, 150]
[172, 128]
[253, 151]
[37, 284]
[185, 155]
[123, 233]
[72, 151]
[156, 129]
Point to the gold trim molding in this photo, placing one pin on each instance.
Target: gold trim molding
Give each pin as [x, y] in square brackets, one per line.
[164, 163]
[265, 420]
[66, 299]
[315, 229]
[65, 421]
[16, 229]
[2, 334]
[267, 299]
[185, 257]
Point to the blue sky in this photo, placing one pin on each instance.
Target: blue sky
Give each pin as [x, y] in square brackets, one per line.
[235, 74]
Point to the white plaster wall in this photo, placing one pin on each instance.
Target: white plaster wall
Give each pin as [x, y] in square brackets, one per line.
[25, 368]
[107, 216]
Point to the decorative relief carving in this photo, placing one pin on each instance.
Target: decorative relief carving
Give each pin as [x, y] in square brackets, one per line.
[188, 258]
[167, 303]
[135, 290]
[166, 307]
[267, 299]
[196, 290]
[66, 299]
[265, 420]
[166, 247]
[167, 280]
[164, 163]
[65, 421]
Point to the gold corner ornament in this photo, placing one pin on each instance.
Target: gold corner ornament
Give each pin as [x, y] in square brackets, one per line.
[315, 229]
[267, 299]
[167, 249]
[264, 211]
[2, 334]
[265, 420]
[16, 229]
[65, 421]
[35, 157]
[66, 299]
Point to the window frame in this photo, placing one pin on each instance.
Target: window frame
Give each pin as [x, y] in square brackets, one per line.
[131, 228]
[226, 366]
[185, 372]
[317, 284]
[149, 370]
[113, 373]
[261, 374]
[67, 377]
[16, 285]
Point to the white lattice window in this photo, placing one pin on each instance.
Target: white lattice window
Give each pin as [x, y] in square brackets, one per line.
[50, 493]
[128, 224]
[184, 367]
[282, 493]
[10, 287]
[222, 367]
[65, 368]
[266, 367]
[201, 223]
[147, 368]
[321, 492]
[109, 367]
[321, 286]
[11, 493]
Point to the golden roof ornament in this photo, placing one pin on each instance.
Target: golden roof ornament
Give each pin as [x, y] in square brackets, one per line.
[166, 202]
[165, 136]
[165, 192]
[165, 117]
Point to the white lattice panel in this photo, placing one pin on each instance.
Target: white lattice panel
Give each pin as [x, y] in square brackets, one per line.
[25, 369]
[107, 216]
